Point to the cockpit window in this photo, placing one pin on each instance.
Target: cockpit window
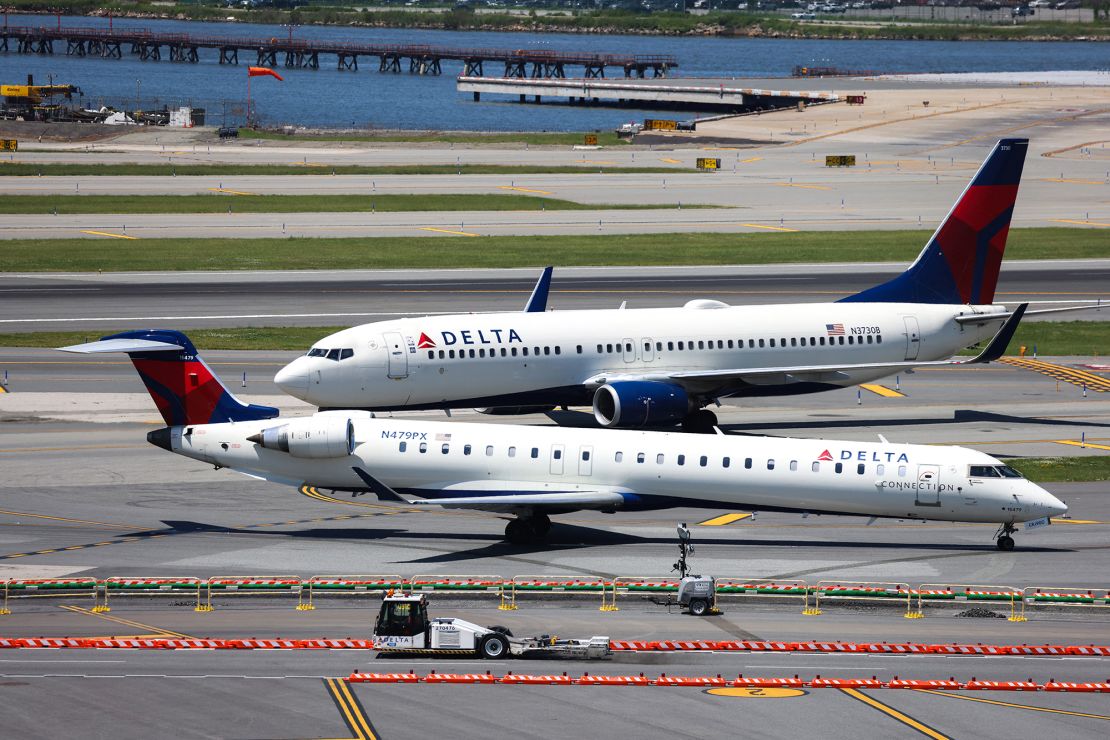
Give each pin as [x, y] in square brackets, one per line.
[1008, 472]
[345, 353]
[317, 352]
[333, 354]
[983, 471]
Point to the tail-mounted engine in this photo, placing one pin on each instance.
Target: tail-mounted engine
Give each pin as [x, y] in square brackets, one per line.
[313, 437]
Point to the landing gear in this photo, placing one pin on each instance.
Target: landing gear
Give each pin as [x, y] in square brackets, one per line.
[701, 421]
[1005, 542]
[528, 530]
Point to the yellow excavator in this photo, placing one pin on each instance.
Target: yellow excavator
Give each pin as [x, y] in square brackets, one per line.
[33, 102]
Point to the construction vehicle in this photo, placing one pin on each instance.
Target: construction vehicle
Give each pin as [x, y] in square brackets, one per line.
[31, 102]
[403, 626]
[696, 593]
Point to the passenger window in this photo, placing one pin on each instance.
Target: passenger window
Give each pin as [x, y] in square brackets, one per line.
[861, 469]
[901, 471]
[751, 343]
[481, 353]
[557, 454]
[880, 469]
[489, 450]
[547, 350]
[536, 351]
[772, 342]
[813, 341]
[725, 462]
[703, 461]
[423, 447]
[512, 452]
[580, 349]
[681, 459]
[701, 344]
[841, 341]
[761, 342]
[619, 457]
[599, 349]
[878, 339]
[839, 467]
[720, 344]
[793, 465]
[559, 350]
[639, 457]
[747, 463]
[609, 348]
[446, 448]
[851, 340]
[431, 354]
[472, 354]
[524, 351]
[659, 459]
[451, 354]
[680, 345]
[815, 467]
[442, 354]
[870, 339]
[513, 351]
[782, 342]
[822, 340]
[647, 346]
[802, 341]
[535, 453]
[771, 464]
[793, 341]
[658, 346]
[670, 346]
[466, 449]
[505, 352]
[585, 455]
[403, 446]
[730, 344]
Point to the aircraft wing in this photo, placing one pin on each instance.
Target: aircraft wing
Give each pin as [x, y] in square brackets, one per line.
[818, 373]
[508, 500]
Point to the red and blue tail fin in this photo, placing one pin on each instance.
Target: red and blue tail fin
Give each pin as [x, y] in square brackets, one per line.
[960, 263]
[182, 385]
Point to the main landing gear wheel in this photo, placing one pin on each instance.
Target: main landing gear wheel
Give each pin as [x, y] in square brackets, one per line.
[701, 421]
[1005, 542]
[528, 530]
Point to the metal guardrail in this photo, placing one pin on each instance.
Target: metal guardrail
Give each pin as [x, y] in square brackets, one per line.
[1066, 596]
[638, 584]
[861, 591]
[149, 586]
[973, 592]
[347, 586]
[44, 588]
[572, 584]
[223, 586]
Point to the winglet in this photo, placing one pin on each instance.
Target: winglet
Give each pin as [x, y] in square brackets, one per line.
[381, 490]
[537, 302]
[1002, 339]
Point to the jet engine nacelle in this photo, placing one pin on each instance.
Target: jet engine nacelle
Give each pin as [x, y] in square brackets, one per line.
[637, 403]
[314, 437]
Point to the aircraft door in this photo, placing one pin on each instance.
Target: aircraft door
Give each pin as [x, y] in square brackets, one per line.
[557, 459]
[398, 355]
[913, 337]
[928, 485]
[585, 460]
[649, 349]
[629, 349]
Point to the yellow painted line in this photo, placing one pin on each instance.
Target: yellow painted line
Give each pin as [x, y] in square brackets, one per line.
[1014, 706]
[354, 716]
[523, 190]
[107, 233]
[769, 228]
[799, 185]
[1076, 443]
[1068, 179]
[895, 714]
[882, 390]
[312, 492]
[127, 622]
[74, 447]
[311, 164]
[1076, 521]
[4, 390]
[448, 231]
[365, 730]
[1081, 223]
[230, 192]
[750, 159]
[668, 160]
[723, 519]
[66, 519]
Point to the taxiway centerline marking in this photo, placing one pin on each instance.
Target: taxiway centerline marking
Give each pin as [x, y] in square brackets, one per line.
[230, 192]
[769, 228]
[353, 714]
[1014, 706]
[108, 233]
[127, 622]
[447, 231]
[895, 714]
[720, 521]
[67, 519]
[882, 390]
[800, 185]
[523, 190]
[1081, 223]
[1076, 443]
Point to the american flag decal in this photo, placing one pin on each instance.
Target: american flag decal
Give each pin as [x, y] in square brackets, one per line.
[835, 330]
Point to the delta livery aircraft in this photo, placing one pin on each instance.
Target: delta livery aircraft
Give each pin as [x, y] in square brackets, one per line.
[534, 472]
[662, 366]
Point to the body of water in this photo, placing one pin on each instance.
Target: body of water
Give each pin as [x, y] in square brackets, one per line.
[368, 98]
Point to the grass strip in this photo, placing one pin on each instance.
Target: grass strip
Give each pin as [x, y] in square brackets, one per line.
[1061, 338]
[1083, 337]
[90, 255]
[68, 169]
[604, 138]
[1063, 469]
[240, 202]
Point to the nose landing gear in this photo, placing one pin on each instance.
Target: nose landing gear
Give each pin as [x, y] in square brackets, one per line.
[1005, 542]
[528, 530]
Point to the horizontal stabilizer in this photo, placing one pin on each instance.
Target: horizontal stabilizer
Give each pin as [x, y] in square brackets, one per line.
[1002, 339]
[121, 345]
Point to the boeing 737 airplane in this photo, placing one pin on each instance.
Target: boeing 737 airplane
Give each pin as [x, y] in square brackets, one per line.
[661, 366]
[533, 472]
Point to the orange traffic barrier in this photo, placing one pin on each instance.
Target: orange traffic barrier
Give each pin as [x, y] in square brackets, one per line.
[460, 678]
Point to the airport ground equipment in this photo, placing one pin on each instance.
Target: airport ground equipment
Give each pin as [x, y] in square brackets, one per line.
[33, 102]
[696, 593]
[403, 625]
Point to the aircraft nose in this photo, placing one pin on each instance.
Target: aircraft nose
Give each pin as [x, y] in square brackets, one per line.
[1054, 506]
[293, 379]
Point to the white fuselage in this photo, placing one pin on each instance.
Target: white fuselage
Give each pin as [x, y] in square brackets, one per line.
[510, 359]
[647, 469]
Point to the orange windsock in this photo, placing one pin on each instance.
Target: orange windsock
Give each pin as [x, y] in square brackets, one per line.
[262, 72]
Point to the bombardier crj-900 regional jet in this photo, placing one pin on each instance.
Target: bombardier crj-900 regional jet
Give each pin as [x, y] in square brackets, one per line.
[661, 366]
[533, 472]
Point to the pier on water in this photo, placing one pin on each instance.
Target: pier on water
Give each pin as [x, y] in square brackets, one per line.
[307, 54]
